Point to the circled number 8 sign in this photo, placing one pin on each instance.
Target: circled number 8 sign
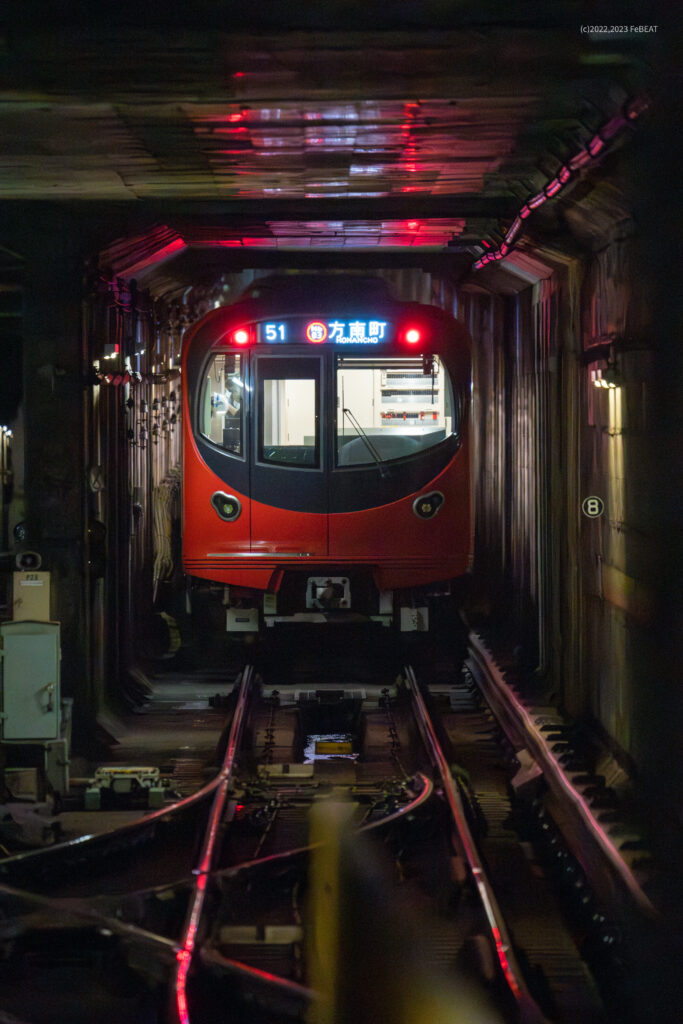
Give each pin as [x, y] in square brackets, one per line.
[593, 507]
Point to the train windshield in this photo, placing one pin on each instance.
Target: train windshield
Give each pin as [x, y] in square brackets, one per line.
[222, 403]
[388, 408]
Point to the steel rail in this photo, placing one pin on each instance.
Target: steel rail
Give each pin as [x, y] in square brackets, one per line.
[529, 1011]
[56, 911]
[212, 958]
[510, 710]
[102, 840]
[179, 949]
[273, 858]
[189, 938]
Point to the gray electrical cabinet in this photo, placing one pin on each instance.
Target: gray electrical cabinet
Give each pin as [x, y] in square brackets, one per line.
[29, 660]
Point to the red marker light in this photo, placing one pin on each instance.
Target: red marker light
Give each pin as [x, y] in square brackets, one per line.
[412, 336]
[316, 332]
[241, 337]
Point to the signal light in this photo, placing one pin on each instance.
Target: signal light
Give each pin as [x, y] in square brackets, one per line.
[241, 336]
[412, 335]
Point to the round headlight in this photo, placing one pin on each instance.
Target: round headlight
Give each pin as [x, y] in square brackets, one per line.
[226, 505]
[427, 505]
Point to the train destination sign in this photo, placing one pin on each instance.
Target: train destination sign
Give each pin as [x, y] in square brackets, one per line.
[337, 331]
[357, 332]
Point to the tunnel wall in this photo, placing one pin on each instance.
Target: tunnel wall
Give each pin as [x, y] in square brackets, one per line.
[619, 549]
[48, 487]
[133, 442]
[575, 595]
[543, 440]
[508, 482]
[11, 433]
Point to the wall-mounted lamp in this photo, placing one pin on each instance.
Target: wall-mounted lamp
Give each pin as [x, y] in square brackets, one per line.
[608, 378]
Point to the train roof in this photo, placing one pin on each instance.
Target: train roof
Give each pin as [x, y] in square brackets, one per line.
[303, 288]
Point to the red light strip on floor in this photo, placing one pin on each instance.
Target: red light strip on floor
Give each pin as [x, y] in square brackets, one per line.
[582, 159]
[528, 1010]
[186, 951]
[246, 971]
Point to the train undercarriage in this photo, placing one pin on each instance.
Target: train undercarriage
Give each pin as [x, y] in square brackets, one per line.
[335, 598]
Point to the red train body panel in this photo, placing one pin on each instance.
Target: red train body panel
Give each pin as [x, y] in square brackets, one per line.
[325, 431]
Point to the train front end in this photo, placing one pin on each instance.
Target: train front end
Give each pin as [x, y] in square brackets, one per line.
[326, 462]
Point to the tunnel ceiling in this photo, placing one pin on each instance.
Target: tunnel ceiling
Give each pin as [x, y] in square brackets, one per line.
[244, 141]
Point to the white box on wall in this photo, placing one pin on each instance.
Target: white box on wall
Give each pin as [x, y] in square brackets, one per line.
[31, 701]
[31, 597]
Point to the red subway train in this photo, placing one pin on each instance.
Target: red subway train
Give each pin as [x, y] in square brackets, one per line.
[325, 453]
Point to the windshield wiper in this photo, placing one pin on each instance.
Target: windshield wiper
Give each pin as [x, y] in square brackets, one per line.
[368, 443]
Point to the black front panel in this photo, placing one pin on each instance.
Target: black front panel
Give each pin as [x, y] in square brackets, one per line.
[366, 487]
[232, 471]
[350, 490]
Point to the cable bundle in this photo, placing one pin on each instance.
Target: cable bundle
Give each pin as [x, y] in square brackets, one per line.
[165, 508]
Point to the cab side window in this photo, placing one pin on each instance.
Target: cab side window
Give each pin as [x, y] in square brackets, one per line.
[222, 402]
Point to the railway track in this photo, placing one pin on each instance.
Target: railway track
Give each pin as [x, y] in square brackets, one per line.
[578, 812]
[212, 908]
